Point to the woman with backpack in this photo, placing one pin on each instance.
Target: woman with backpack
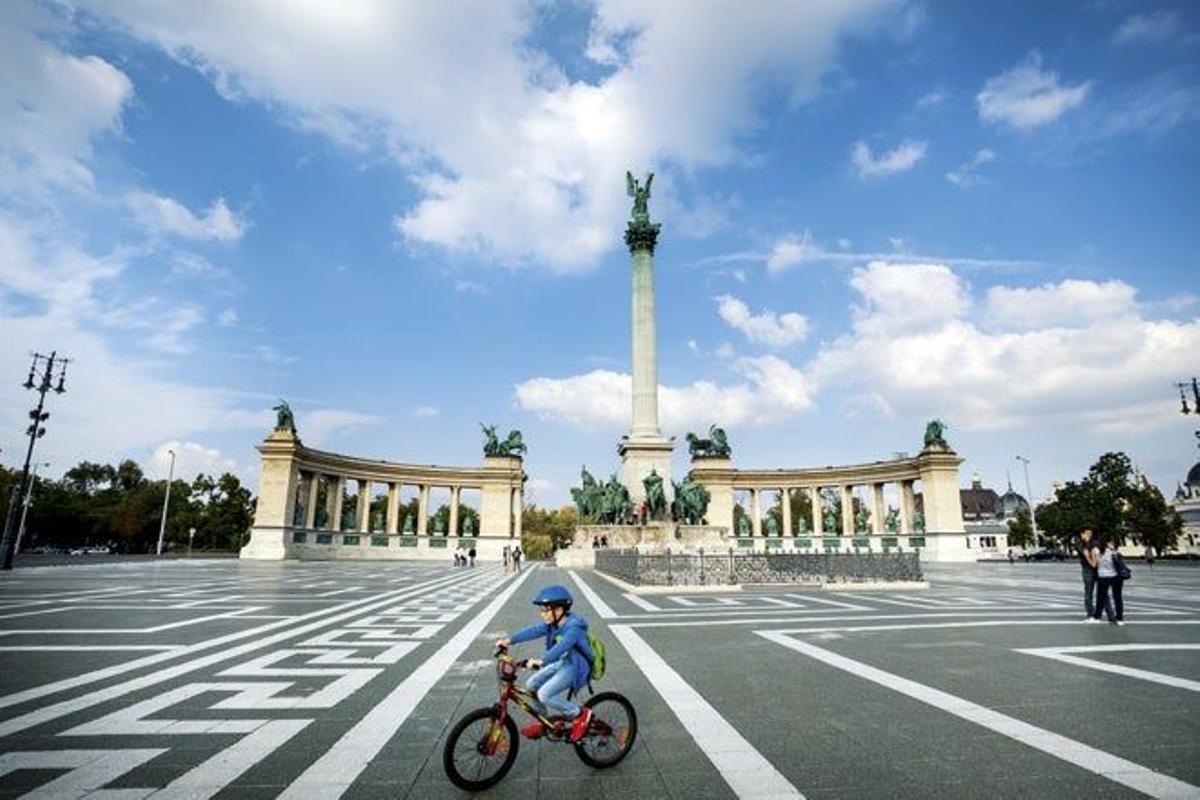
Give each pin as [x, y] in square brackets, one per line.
[1111, 574]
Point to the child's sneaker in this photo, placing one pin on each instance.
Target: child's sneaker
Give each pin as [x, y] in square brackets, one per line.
[580, 726]
[533, 731]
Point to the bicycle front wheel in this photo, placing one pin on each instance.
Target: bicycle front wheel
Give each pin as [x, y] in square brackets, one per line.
[611, 732]
[480, 750]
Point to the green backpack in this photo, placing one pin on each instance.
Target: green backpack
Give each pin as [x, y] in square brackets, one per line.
[598, 662]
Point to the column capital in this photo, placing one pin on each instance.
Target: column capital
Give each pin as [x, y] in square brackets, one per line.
[642, 236]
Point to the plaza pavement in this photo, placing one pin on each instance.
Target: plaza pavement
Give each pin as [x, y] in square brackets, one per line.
[318, 680]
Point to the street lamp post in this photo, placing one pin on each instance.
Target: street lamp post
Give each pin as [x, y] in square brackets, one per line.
[162, 526]
[25, 510]
[1029, 497]
[42, 384]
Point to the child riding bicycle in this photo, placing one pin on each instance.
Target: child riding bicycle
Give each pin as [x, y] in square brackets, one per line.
[565, 667]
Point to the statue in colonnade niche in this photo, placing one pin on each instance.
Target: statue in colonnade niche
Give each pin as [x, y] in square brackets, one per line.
[321, 518]
[410, 525]
[439, 526]
[284, 419]
[744, 527]
[892, 521]
[468, 526]
[862, 520]
[935, 435]
[801, 526]
[772, 526]
[656, 498]
[918, 522]
[830, 522]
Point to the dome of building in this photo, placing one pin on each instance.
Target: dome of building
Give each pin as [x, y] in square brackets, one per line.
[1193, 478]
[1012, 503]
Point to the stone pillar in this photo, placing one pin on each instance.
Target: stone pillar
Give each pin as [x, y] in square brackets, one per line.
[279, 475]
[423, 510]
[814, 498]
[716, 475]
[645, 361]
[453, 511]
[363, 511]
[908, 505]
[877, 512]
[310, 511]
[755, 513]
[785, 505]
[496, 496]
[518, 511]
[393, 508]
[339, 487]
[847, 510]
[943, 505]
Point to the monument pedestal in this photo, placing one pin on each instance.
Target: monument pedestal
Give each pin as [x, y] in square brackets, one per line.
[638, 457]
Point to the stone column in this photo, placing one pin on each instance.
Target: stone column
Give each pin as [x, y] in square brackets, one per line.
[310, 511]
[943, 505]
[755, 513]
[847, 510]
[645, 362]
[814, 499]
[363, 512]
[518, 510]
[423, 510]
[335, 521]
[877, 525]
[785, 504]
[393, 508]
[908, 505]
[453, 511]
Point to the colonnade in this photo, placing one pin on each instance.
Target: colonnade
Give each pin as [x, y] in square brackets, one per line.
[286, 516]
[815, 525]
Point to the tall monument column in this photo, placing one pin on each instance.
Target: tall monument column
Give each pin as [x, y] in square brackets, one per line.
[644, 448]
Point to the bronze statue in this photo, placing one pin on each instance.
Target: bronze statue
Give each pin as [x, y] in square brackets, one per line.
[744, 527]
[284, 419]
[830, 522]
[918, 522]
[492, 446]
[716, 446]
[772, 525]
[410, 522]
[861, 519]
[640, 195]
[656, 499]
[934, 435]
[690, 503]
[892, 520]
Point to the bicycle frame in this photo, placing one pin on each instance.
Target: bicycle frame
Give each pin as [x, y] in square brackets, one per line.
[507, 670]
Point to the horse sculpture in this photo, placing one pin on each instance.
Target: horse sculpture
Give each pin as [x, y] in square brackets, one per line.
[691, 502]
[935, 434]
[716, 446]
[492, 446]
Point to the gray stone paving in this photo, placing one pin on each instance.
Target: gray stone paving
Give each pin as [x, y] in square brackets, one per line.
[223, 678]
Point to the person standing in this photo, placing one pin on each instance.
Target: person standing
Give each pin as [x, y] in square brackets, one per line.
[516, 557]
[1085, 548]
[1108, 579]
[507, 554]
[471, 555]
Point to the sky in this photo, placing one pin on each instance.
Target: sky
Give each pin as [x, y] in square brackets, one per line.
[406, 220]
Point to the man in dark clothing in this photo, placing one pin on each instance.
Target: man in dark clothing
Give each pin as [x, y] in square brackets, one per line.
[1084, 544]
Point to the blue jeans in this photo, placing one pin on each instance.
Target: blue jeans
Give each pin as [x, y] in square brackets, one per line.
[553, 679]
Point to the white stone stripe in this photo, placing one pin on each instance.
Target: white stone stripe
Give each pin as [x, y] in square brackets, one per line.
[602, 608]
[747, 772]
[1013, 617]
[333, 773]
[1086, 756]
[808, 598]
[991, 623]
[47, 713]
[72, 648]
[210, 777]
[1062, 654]
[641, 603]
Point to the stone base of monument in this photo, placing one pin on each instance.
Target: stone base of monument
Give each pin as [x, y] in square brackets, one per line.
[276, 544]
[653, 537]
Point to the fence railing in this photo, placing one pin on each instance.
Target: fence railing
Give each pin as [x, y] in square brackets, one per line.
[701, 568]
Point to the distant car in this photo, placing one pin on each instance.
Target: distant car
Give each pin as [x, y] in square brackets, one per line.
[1045, 554]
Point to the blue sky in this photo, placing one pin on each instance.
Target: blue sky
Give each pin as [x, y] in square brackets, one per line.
[406, 219]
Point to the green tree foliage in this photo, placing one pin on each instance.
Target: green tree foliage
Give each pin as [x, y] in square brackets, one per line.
[1020, 530]
[98, 504]
[545, 530]
[1114, 502]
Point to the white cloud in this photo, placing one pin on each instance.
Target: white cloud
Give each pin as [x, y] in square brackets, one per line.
[271, 355]
[54, 105]
[1027, 96]
[227, 318]
[900, 159]
[1070, 304]
[769, 328]
[425, 412]
[933, 98]
[191, 459]
[792, 250]
[1156, 26]
[511, 158]
[968, 174]
[167, 334]
[162, 215]
[901, 298]
[319, 426]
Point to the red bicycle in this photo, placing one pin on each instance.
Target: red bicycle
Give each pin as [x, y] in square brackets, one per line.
[482, 746]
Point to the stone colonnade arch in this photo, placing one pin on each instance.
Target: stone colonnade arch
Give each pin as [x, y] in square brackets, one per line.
[287, 515]
[943, 537]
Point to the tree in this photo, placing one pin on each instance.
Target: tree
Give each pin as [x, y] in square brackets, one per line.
[556, 526]
[1150, 521]
[1020, 530]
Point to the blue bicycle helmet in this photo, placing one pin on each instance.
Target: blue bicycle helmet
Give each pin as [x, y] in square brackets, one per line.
[554, 595]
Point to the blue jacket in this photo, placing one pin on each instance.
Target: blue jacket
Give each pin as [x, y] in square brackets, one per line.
[568, 640]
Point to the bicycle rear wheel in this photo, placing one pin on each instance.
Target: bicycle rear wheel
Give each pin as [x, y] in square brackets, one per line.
[611, 732]
[479, 750]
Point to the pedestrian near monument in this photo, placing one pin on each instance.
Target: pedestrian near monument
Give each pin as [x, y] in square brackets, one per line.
[506, 554]
[1109, 568]
[1085, 547]
[471, 555]
[516, 557]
